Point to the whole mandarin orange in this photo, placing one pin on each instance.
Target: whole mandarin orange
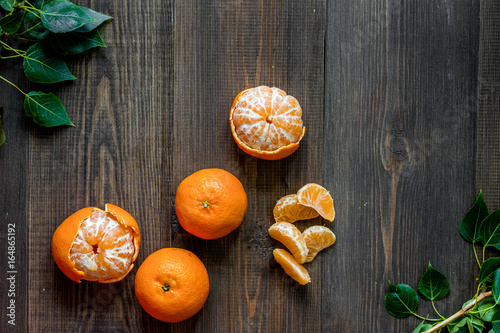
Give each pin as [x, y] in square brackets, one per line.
[172, 284]
[210, 203]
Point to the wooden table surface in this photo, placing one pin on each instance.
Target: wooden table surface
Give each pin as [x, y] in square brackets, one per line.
[401, 104]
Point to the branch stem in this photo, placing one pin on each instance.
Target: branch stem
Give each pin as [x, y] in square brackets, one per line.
[12, 84]
[475, 254]
[460, 313]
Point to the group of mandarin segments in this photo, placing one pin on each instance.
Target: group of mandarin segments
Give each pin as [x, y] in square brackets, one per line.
[172, 284]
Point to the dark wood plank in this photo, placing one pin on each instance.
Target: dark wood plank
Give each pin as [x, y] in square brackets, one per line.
[400, 138]
[222, 48]
[13, 178]
[119, 153]
[488, 120]
[395, 130]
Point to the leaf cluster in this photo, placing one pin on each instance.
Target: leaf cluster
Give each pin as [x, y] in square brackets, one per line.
[479, 314]
[56, 31]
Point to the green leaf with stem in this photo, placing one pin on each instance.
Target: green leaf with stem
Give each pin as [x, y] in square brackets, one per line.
[46, 109]
[34, 26]
[42, 67]
[99, 18]
[487, 309]
[488, 268]
[490, 230]
[72, 43]
[7, 4]
[62, 16]
[33, 22]
[12, 22]
[433, 284]
[467, 324]
[469, 227]
[422, 327]
[401, 301]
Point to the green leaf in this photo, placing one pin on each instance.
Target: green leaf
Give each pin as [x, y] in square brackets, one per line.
[46, 109]
[487, 309]
[12, 22]
[477, 324]
[61, 16]
[39, 4]
[40, 66]
[467, 325]
[98, 17]
[422, 327]
[7, 4]
[433, 284]
[2, 133]
[488, 268]
[495, 287]
[461, 326]
[33, 25]
[401, 302]
[490, 230]
[75, 42]
[469, 227]
[495, 321]
[392, 287]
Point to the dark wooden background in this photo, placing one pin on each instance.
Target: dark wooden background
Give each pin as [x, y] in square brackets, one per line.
[401, 104]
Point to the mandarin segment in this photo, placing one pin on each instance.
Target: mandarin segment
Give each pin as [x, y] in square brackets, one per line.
[96, 245]
[288, 209]
[266, 122]
[317, 238]
[290, 236]
[291, 266]
[317, 197]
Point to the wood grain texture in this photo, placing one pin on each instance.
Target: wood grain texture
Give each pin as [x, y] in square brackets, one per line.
[220, 49]
[118, 153]
[401, 127]
[400, 116]
[488, 123]
[13, 204]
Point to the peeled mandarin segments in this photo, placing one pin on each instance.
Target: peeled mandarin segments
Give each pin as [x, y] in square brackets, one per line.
[210, 203]
[317, 238]
[172, 284]
[97, 245]
[291, 237]
[295, 270]
[288, 209]
[266, 122]
[317, 197]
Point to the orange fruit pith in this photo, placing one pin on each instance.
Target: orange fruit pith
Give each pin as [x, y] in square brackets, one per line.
[288, 209]
[266, 122]
[295, 270]
[172, 284]
[317, 197]
[317, 238]
[97, 245]
[210, 203]
[290, 236]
